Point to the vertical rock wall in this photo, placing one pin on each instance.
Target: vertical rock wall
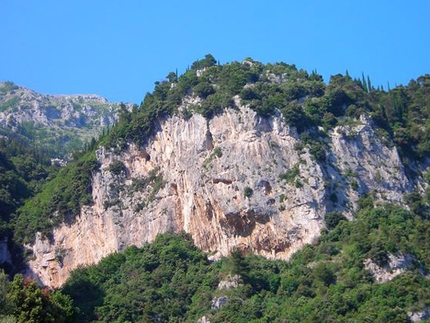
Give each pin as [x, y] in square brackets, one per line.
[238, 180]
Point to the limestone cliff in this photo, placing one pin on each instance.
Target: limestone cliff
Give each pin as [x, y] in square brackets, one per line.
[237, 180]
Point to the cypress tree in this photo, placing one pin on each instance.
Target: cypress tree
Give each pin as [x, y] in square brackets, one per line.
[347, 76]
[363, 81]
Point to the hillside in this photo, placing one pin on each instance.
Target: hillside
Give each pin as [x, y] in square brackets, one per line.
[247, 159]
[242, 155]
[59, 124]
[24, 171]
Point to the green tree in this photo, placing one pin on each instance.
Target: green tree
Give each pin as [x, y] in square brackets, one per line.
[208, 61]
[30, 304]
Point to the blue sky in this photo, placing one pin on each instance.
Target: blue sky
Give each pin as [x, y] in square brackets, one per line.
[118, 49]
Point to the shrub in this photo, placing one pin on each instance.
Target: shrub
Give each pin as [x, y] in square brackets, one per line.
[247, 192]
[332, 219]
[117, 167]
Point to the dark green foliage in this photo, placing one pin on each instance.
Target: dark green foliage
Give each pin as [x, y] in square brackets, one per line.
[236, 263]
[23, 172]
[117, 167]
[417, 204]
[22, 300]
[60, 200]
[296, 117]
[204, 89]
[157, 282]
[326, 282]
[154, 180]
[247, 192]
[324, 273]
[254, 82]
[303, 99]
[332, 219]
[208, 61]
[9, 103]
[8, 86]
[291, 174]
[213, 105]
[171, 280]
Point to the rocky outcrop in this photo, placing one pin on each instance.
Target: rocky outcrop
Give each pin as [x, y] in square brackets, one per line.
[396, 265]
[232, 281]
[420, 316]
[235, 181]
[360, 162]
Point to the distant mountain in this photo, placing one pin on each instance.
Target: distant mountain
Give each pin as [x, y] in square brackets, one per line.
[58, 124]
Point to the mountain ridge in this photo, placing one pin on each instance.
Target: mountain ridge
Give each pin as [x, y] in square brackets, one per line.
[58, 123]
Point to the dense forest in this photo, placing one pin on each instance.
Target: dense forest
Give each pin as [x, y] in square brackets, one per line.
[24, 171]
[170, 280]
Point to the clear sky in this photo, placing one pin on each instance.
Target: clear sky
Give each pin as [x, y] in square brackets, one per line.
[118, 49]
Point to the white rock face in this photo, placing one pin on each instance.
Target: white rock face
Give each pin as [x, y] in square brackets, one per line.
[220, 181]
[361, 163]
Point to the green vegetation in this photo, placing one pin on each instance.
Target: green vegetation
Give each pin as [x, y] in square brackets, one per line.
[7, 86]
[57, 141]
[23, 173]
[22, 300]
[63, 133]
[332, 219]
[60, 201]
[291, 174]
[156, 282]
[117, 167]
[304, 100]
[170, 280]
[9, 103]
[247, 192]
[154, 181]
[216, 152]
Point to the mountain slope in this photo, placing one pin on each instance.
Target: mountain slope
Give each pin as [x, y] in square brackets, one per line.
[23, 172]
[243, 155]
[57, 123]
